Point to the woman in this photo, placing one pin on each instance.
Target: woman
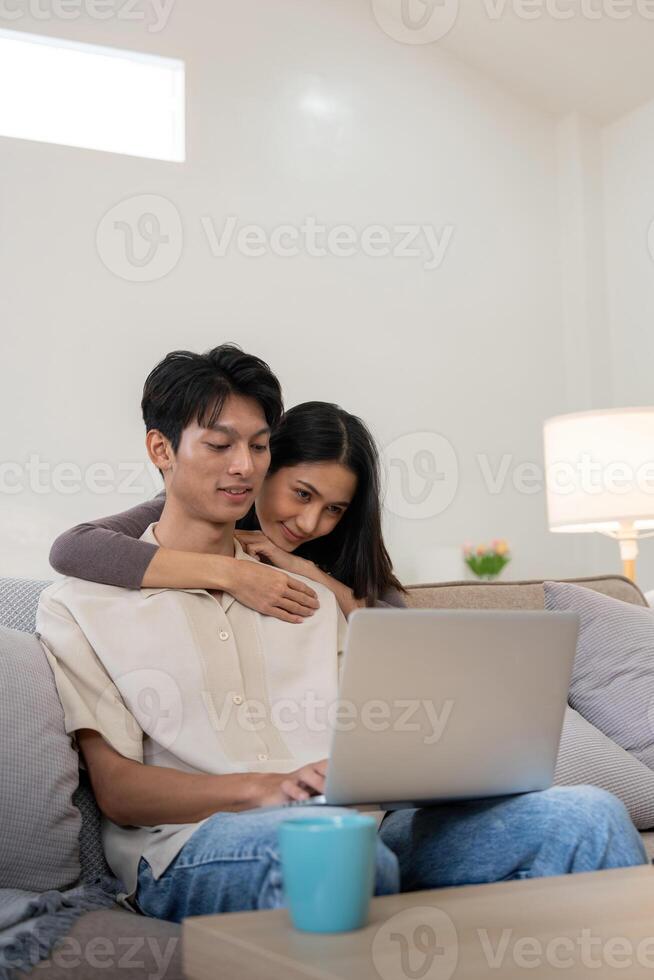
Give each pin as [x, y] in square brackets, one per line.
[318, 515]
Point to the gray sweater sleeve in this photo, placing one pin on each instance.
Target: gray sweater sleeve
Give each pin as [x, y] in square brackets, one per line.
[108, 550]
[392, 599]
[587, 755]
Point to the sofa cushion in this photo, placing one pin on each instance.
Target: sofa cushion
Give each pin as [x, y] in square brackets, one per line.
[587, 755]
[91, 853]
[526, 594]
[116, 945]
[613, 674]
[39, 847]
[19, 598]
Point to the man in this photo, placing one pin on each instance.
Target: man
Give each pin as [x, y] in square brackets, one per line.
[172, 696]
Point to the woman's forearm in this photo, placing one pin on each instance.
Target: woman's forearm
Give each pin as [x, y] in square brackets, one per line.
[189, 570]
[258, 586]
[109, 550]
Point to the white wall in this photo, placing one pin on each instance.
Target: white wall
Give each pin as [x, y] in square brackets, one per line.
[629, 212]
[629, 195]
[301, 107]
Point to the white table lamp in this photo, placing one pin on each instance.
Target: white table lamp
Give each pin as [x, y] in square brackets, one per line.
[599, 470]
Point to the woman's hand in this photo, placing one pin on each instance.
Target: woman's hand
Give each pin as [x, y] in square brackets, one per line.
[271, 592]
[257, 545]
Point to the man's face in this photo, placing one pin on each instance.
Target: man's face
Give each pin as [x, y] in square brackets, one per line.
[216, 473]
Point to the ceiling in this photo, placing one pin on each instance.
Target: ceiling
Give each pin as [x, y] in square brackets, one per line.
[601, 67]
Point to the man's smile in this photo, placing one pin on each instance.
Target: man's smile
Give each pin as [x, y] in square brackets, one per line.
[236, 494]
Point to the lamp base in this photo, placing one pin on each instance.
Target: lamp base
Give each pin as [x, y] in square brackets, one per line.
[628, 540]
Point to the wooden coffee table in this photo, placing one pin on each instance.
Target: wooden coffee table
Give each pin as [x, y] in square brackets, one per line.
[599, 924]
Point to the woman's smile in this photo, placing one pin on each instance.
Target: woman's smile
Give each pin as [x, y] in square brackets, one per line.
[290, 535]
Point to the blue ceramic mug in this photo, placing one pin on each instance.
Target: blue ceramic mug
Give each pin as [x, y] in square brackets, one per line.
[328, 868]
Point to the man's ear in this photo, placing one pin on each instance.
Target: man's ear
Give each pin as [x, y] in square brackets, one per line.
[159, 450]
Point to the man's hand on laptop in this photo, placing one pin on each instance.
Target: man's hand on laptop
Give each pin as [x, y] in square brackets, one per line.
[133, 794]
[271, 592]
[275, 788]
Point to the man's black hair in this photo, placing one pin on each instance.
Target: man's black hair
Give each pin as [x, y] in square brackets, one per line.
[185, 386]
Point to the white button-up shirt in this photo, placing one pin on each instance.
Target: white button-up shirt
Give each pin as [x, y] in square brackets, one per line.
[190, 680]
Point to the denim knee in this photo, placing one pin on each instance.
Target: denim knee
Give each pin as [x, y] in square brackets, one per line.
[587, 802]
[387, 870]
[592, 812]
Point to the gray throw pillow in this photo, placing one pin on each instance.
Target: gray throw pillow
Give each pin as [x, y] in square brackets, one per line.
[39, 826]
[589, 757]
[612, 683]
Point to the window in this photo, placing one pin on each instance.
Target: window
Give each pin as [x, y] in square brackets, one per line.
[99, 98]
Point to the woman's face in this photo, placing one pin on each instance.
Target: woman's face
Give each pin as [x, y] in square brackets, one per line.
[300, 503]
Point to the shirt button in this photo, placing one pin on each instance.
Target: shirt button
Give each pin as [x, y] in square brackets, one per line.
[262, 757]
[224, 635]
[237, 699]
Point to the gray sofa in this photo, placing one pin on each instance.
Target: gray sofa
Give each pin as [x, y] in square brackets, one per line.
[130, 946]
[143, 939]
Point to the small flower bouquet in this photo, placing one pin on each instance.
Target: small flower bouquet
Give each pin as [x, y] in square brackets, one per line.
[487, 562]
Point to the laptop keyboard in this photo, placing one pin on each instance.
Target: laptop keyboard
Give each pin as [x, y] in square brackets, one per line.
[312, 801]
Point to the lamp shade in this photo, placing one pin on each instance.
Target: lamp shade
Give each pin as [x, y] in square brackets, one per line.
[599, 469]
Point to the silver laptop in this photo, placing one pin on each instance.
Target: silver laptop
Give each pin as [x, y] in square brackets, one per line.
[441, 705]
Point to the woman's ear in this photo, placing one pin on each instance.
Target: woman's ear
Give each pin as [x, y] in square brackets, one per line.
[160, 451]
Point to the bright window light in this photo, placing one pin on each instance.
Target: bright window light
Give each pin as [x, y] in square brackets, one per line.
[99, 98]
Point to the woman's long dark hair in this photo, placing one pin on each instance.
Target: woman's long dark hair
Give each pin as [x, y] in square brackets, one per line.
[354, 552]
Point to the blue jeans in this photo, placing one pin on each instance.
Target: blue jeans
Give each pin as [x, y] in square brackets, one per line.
[231, 863]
